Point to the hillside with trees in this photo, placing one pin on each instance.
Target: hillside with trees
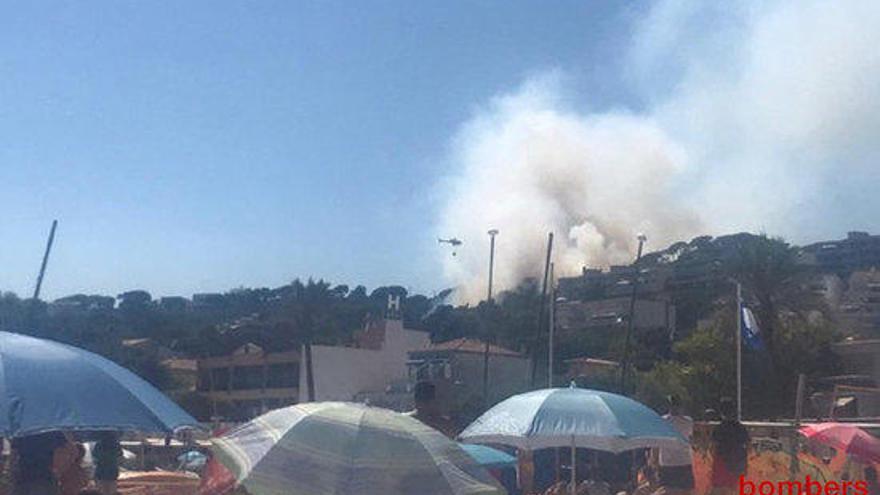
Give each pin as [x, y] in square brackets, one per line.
[698, 364]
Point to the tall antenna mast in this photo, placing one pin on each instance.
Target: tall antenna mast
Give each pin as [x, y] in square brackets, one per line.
[45, 260]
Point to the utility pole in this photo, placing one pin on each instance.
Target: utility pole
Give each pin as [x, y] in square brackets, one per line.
[492, 233]
[45, 260]
[310, 370]
[624, 365]
[541, 309]
[738, 336]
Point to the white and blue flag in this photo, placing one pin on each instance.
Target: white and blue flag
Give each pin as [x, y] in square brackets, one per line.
[751, 333]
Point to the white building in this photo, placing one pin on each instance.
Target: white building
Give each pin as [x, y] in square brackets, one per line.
[456, 368]
[376, 362]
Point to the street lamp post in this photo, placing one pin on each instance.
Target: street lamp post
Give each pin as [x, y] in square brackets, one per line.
[492, 233]
[551, 339]
[632, 313]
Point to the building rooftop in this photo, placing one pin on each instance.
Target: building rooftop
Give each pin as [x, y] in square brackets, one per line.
[180, 364]
[592, 361]
[469, 345]
[858, 344]
[137, 342]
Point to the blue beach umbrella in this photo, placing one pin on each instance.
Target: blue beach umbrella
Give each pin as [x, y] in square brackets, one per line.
[46, 386]
[488, 457]
[192, 460]
[572, 417]
[565, 417]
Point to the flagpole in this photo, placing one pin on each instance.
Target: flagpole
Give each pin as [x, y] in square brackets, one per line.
[738, 338]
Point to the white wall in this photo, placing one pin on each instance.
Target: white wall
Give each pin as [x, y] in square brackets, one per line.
[342, 372]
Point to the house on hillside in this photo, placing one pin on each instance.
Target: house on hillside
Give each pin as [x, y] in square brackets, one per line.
[150, 347]
[248, 382]
[859, 309]
[576, 316]
[373, 370]
[859, 251]
[456, 369]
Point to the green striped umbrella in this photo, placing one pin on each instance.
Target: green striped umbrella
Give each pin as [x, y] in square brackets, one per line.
[335, 448]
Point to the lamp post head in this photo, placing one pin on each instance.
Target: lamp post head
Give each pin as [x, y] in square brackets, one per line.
[642, 237]
[493, 232]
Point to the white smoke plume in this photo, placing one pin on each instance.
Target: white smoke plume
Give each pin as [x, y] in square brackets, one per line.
[760, 117]
[531, 167]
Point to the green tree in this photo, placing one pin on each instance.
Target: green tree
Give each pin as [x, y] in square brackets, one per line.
[667, 378]
[310, 312]
[705, 364]
[708, 361]
[770, 275]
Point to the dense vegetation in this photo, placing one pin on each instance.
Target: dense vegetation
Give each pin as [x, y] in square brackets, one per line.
[698, 365]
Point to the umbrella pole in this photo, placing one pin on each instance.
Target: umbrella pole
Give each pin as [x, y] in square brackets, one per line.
[556, 450]
[573, 467]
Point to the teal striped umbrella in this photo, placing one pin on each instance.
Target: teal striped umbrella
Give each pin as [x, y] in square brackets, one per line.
[488, 457]
[334, 448]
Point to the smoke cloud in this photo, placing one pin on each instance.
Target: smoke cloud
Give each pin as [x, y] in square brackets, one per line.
[760, 117]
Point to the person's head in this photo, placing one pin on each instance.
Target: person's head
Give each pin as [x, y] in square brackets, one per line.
[870, 474]
[673, 404]
[425, 394]
[107, 437]
[646, 474]
[726, 408]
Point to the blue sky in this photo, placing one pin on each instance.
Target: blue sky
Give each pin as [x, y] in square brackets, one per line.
[203, 145]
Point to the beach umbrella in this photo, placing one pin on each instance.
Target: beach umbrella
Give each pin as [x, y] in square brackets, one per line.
[330, 448]
[216, 479]
[846, 438]
[562, 417]
[46, 386]
[192, 460]
[488, 457]
[572, 417]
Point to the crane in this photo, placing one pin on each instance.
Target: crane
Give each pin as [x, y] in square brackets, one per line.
[45, 259]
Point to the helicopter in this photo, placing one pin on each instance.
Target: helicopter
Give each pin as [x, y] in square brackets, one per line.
[452, 241]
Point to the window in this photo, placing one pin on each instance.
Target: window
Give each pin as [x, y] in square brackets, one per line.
[423, 373]
[247, 378]
[204, 380]
[285, 375]
[221, 378]
[440, 370]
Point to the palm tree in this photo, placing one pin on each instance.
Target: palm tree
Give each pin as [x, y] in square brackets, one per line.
[769, 272]
[308, 309]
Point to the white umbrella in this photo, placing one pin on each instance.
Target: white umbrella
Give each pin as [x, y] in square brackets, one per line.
[332, 448]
